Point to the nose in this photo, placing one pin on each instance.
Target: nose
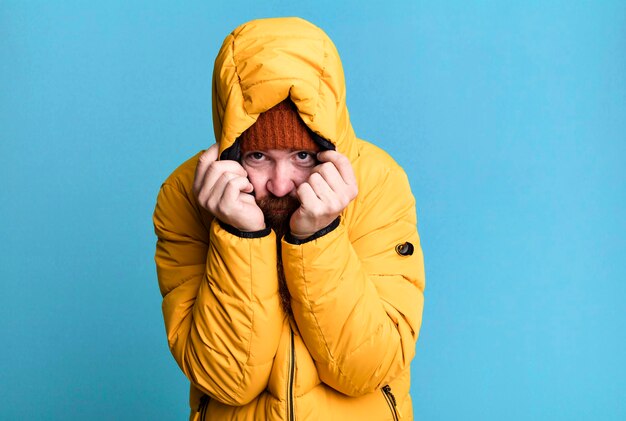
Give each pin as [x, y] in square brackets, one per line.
[281, 182]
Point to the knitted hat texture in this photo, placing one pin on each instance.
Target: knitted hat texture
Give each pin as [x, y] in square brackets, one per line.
[280, 127]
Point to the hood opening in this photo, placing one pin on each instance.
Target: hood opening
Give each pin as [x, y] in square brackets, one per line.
[233, 153]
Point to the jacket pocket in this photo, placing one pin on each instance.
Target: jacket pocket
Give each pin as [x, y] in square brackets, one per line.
[391, 401]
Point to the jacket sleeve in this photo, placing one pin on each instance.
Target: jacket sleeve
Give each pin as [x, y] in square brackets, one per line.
[356, 300]
[220, 299]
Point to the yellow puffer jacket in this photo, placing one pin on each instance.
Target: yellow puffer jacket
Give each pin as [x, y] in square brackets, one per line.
[356, 296]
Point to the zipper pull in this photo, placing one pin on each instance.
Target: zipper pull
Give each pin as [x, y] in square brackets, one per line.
[388, 392]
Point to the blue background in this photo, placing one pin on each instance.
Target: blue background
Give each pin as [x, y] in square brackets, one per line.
[509, 117]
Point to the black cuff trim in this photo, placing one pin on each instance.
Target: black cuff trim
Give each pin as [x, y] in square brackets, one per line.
[293, 240]
[245, 234]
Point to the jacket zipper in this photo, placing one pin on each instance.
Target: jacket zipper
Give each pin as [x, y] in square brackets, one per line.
[391, 401]
[291, 375]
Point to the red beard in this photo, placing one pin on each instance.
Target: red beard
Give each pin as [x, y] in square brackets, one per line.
[278, 211]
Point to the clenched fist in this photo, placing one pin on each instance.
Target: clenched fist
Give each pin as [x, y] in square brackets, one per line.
[324, 195]
[223, 189]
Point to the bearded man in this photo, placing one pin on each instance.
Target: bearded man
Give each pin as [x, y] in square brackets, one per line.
[288, 255]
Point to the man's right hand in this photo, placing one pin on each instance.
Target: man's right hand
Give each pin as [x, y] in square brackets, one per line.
[223, 189]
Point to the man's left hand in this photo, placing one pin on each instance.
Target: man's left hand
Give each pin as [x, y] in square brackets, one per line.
[324, 195]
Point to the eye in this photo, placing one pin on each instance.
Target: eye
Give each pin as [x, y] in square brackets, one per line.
[253, 156]
[305, 158]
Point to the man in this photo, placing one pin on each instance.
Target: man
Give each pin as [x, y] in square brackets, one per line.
[288, 255]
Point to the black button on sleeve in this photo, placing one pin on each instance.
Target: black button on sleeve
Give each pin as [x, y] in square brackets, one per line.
[405, 249]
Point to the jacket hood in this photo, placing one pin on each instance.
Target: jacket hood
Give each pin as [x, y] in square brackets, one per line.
[265, 61]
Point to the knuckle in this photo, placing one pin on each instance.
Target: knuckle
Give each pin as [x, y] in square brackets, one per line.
[303, 187]
[210, 169]
[206, 204]
[327, 166]
[222, 207]
[226, 177]
[316, 177]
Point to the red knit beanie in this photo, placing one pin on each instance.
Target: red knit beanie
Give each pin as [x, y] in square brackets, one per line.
[280, 127]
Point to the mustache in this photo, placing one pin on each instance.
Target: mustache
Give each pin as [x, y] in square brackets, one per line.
[285, 204]
[278, 211]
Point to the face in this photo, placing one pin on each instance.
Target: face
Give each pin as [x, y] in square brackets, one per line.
[275, 174]
[278, 172]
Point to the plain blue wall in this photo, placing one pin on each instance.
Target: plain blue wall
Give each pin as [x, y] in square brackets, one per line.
[509, 117]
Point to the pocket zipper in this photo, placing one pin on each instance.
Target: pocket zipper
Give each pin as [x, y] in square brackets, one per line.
[391, 401]
[202, 408]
